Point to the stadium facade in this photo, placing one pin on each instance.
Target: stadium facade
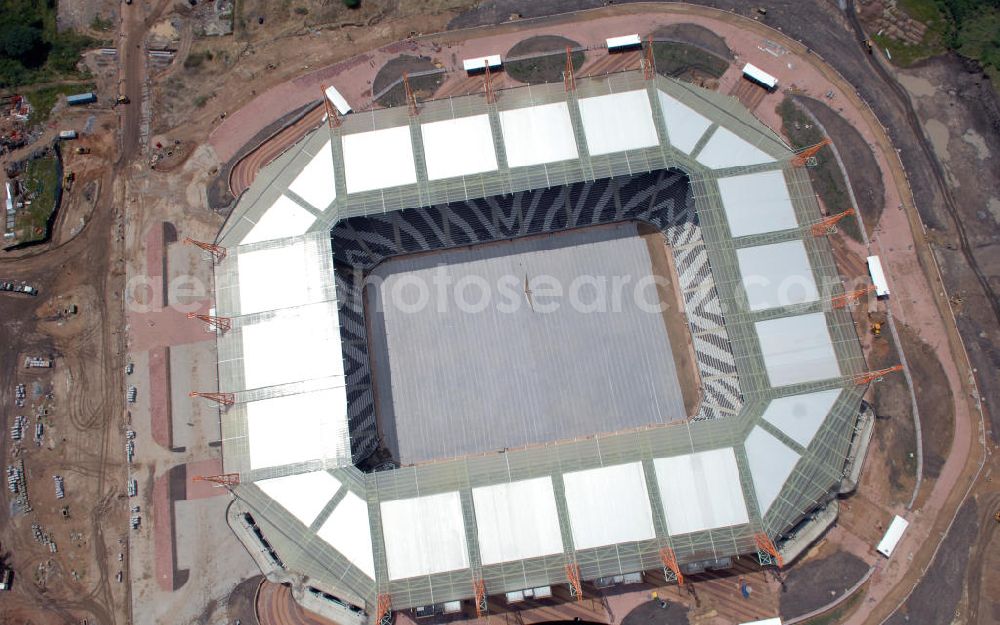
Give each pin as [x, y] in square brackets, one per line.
[767, 445]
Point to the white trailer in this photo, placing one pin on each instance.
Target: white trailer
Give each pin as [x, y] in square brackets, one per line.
[625, 42]
[338, 101]
[878, 276]
[480, 63]
[758, 75]
[892, 536]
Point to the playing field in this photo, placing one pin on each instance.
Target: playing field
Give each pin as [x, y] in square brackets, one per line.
[523, 342]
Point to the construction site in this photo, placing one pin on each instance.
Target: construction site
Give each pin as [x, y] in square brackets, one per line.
[626, 315]
[399, 469]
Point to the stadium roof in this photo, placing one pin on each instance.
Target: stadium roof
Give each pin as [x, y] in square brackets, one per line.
[607, 503]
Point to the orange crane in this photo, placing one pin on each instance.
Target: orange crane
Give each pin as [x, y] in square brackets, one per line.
[221, 324]
[332, 118]
[670, 563]
[872, 376]
[411, 98]
[573, 577]
[826, 226]
[217, 251]
[569, 78]
[226, 480]
[841, 301]
[225, 399]
[802, 156]
[648, 68]
[766, 546]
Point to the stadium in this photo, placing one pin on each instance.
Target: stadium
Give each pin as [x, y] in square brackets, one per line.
[389, 456]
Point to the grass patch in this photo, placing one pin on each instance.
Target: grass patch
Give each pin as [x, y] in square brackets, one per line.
[41, 183]
[44, 99]
[674, 59]
[31, 47]
[826, 177]
[542, 69]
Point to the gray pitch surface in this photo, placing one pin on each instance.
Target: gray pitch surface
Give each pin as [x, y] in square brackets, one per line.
[453, 382]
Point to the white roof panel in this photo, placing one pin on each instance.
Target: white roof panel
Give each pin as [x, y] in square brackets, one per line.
[304, 495]
[538, 134]
[617, 122]
[757, 203]
[424, 535]
[727, 149]
[378, 159]
[517, 520]
[294, 345]
[347, 530]
[285, 218]
[771, 462]
[777, 275]
[608, 505]
[458, 147]
[294, 268]
[800, 416]
[701, 491]
[685, 126]
[298, 428]
[315, 183]
[797, 349]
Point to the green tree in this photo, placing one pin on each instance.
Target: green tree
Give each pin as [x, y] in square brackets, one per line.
[22, 43]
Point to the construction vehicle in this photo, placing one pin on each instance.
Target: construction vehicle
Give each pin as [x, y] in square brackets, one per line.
[877, 329]
[82, 150]
[68, 180]
[122, 99]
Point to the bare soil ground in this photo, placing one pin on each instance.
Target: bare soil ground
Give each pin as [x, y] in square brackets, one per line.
[936, 597]
[856, 155]
[962, 114]
[423, 86]
[548, 62]
[697, 36]
[934, 400]
[814, 583]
